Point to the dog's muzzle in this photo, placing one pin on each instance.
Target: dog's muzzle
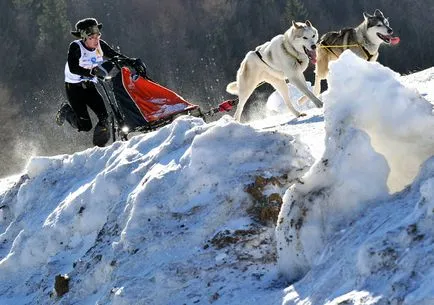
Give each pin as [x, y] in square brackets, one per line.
[389, 39]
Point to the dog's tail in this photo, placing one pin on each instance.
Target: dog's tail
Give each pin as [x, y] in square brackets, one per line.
[232, 88]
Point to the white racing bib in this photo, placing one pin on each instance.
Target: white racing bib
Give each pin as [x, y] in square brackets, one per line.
[88, 60]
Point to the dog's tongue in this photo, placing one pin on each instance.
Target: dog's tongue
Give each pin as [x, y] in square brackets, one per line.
[394, 40]
[312, 56]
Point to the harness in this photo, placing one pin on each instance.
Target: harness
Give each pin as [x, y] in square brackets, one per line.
[260, 57]
[367, 54]
[284, 49]
[344, 34]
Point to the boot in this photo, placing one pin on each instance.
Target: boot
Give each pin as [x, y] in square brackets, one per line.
[101, 134]
[62, 113]
[66, 113]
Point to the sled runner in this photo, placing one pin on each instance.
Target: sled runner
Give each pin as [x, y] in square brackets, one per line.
[139, 104]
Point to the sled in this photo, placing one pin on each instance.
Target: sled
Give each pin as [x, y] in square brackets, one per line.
[138, 104]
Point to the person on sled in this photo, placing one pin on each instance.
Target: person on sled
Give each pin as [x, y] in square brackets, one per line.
[85, 56]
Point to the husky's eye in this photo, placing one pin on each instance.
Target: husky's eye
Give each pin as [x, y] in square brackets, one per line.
[304, 37]
[313, 36]
[379, 25]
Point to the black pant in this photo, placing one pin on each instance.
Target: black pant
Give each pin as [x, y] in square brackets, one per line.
[81, 96]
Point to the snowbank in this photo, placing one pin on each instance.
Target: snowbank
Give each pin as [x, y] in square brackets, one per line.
[376, 140]
[144, 211]
[384, 257]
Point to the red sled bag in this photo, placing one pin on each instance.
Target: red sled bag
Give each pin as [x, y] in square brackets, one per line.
[154, 101]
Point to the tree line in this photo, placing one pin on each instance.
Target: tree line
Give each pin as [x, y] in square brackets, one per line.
[191, 46]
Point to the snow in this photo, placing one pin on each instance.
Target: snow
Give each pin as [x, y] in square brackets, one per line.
[179, 216]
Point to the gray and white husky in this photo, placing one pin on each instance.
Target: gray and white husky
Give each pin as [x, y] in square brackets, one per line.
[364, 40]
[285, 57]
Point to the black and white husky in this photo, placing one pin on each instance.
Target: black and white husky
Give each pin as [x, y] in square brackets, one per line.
[364, 40]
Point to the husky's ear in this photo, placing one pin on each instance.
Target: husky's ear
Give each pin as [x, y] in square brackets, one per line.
[308, 23]
[366, 15]
[378, 13]
[295, 25]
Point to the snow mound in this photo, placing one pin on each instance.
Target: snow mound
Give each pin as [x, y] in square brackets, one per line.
[144, 219]
[384, 257]
[376, 141]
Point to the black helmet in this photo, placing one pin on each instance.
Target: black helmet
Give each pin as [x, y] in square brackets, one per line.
[86, 27]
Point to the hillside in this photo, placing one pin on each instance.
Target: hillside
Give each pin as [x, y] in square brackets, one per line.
[189, 214]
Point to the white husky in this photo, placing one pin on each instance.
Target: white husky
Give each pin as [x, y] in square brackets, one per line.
[283, 58]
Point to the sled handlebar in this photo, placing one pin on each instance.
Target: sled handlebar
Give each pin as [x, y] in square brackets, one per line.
[135, 63]
[103, 70]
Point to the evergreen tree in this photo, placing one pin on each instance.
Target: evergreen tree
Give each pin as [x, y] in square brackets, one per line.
[294, 10]
[52, 23]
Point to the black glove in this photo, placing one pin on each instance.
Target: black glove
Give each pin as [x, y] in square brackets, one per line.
[129, 61]
[102, 71]
[140, 66]
[98, 73]
[107, 66]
